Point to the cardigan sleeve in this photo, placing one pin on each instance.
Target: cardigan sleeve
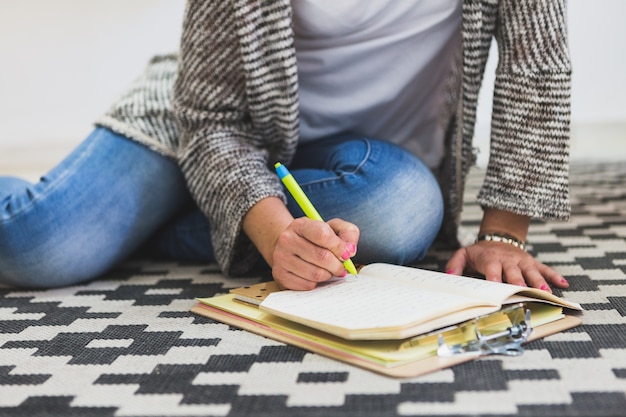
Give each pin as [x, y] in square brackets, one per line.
[529, 156]
[224, 150]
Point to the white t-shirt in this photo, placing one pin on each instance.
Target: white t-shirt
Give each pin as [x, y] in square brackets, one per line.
[376, 67]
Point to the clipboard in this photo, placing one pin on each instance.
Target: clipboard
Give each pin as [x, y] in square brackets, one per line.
[240, 309]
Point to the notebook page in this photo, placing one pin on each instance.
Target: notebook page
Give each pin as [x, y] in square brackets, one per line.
[488, 291]
[365, 302]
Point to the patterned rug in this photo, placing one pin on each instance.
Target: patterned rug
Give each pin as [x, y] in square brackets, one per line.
[126, 344]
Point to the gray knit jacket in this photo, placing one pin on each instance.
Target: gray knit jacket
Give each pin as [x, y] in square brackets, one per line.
[226, 107]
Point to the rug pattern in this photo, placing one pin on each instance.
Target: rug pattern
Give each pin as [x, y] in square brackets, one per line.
[126, 344]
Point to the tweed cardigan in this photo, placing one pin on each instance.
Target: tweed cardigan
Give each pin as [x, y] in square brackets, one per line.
[226, 107]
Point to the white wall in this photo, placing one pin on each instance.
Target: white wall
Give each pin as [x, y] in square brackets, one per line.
[64, 61]
[597, 39]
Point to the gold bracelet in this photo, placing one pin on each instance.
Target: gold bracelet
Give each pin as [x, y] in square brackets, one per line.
[494, 237]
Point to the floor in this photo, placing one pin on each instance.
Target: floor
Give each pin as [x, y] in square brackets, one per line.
[126, 344]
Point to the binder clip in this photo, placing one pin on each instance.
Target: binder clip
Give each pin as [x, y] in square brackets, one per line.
[503, 342]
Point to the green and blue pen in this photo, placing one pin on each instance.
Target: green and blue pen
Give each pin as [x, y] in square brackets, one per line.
[305, 204]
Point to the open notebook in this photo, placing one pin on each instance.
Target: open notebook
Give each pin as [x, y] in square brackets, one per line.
[389, 317]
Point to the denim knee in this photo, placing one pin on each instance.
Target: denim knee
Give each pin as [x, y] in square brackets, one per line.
[40, 263]
[88, 213]
[385, 190]
[32, 249]
[402, 215]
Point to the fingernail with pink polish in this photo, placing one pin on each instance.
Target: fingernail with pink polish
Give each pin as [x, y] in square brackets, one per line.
[343, 274]
[545, 287]
[351, 247]
[564, 281]
[346, 255]
[450, 271]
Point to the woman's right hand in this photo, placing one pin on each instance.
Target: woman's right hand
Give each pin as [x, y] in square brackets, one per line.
[302, 252]
[309, 251]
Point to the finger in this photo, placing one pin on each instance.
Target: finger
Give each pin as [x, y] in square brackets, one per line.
[323, 236]
[552, 276]
[294, 272]
[535, 279]
[302, 258]
[321, 264]
[311, 271]
[493, 272]
[348, 232]
[513, 275]
[288, 280]
[457, 263]
[319, 246]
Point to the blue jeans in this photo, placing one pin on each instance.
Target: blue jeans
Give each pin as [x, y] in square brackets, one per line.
[111, 196]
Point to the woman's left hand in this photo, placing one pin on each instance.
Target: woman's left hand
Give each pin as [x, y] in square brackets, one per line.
[502, 262]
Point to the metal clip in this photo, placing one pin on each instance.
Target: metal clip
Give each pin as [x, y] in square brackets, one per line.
[507, 342]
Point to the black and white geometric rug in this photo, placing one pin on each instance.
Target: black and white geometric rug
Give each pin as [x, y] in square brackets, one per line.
[126, 344]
